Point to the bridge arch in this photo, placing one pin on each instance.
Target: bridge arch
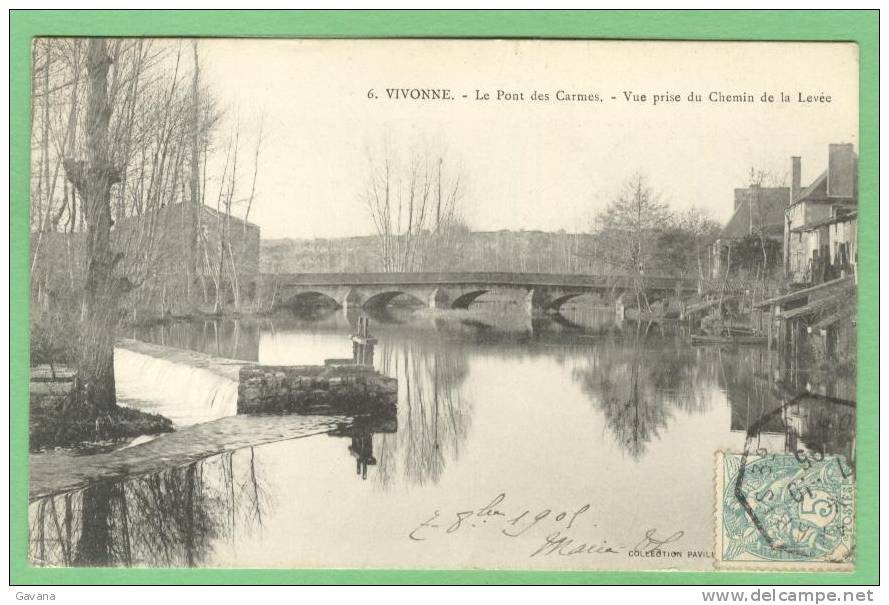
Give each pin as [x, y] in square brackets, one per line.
[382, 299]
[556, 303]
[310, 299]
[467, 298]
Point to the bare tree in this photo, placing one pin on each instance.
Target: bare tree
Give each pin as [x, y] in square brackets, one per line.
[194, 177]
[118, 121]
[415, 207]
[758, 179]
[624, 231]
[701, 230]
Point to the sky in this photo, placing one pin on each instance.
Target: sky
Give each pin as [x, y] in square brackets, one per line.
[547, 165]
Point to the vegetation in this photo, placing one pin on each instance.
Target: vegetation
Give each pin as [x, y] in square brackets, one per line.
[512, 251]
[58, 421]
[638, 234]
[414, 203]
[673, 243]
[121, 129]
[683, 243]
[754, 255]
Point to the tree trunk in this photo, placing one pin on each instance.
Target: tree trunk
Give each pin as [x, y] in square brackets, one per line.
[93, 179]
[194, 183]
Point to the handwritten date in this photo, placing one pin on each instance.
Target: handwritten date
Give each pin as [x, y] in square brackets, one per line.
[559, 523]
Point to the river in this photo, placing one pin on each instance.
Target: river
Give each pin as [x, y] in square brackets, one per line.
[510, 430]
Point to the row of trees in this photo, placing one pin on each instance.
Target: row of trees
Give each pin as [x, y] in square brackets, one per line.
[414, 203]
[416, 208]
[153, 124]
[504, 250]
[121, 129]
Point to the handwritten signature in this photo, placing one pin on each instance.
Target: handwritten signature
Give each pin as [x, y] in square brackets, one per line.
[560, 539]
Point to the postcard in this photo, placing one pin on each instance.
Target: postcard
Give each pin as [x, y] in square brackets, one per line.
[504, 304]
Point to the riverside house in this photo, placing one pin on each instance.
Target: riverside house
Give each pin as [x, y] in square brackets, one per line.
[821, 225]
[758, 211]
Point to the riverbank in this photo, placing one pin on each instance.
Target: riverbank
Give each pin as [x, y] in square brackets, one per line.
[53, 423]
[56, 421]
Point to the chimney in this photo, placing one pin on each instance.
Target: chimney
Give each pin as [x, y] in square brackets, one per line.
[795, 177]
[842, 170]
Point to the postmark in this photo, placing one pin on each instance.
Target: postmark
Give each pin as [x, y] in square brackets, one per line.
[784, 511]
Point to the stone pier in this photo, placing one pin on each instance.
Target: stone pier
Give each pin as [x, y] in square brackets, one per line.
[328, 389]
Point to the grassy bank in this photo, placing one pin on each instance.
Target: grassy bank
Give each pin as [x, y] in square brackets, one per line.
[53, 424]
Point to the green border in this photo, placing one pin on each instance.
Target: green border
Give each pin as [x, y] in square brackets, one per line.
[858, 26]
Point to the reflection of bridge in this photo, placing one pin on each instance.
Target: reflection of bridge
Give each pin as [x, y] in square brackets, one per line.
[538, 291]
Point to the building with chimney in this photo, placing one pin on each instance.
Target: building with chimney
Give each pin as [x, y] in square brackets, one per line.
[817, 317]
[821, 221]
[759, 212]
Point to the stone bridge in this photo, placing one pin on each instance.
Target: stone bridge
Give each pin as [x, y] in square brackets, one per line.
[538, 291]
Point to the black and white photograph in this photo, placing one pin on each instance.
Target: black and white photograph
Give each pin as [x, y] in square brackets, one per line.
[504, 304]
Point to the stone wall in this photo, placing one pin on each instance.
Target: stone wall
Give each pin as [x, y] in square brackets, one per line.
[337, 389]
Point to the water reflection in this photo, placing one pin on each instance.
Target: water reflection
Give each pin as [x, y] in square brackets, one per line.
[639, 380]
[166, 519]
[487, 402]
[361, 433]
[433, 414]
[785, 408]
[241, 338]
[229, 338]
[636, 374]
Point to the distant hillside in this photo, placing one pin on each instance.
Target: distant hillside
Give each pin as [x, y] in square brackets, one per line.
[525, 251]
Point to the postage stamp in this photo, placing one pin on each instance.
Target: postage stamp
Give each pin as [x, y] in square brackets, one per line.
[784, 511]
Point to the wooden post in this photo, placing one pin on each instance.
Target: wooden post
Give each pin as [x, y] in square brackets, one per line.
[769, 321]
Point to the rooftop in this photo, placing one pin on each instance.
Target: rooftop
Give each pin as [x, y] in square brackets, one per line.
[757, 208]
[839, 182]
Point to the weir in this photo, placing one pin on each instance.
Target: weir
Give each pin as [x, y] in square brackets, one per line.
[185, 386]
[190, 387]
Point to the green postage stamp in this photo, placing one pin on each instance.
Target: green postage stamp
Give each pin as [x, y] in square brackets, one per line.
[794, 510]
